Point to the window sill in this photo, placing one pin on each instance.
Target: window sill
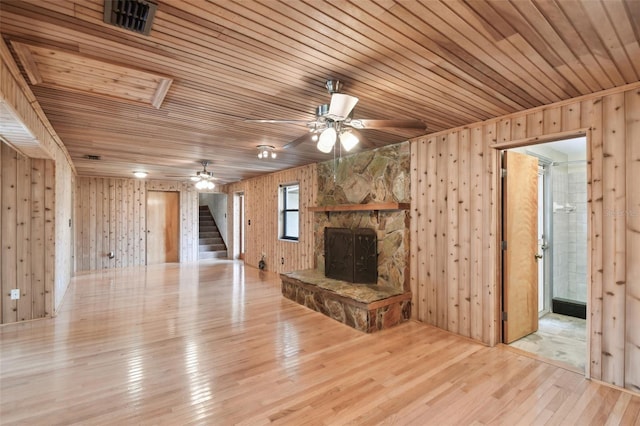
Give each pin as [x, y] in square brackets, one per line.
[289, 240]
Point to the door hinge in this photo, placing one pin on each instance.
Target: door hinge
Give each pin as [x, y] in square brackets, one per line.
[504, 316]
[503, 172]
[504, 245]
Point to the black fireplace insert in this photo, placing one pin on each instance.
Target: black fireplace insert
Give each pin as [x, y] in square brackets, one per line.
[351, 254]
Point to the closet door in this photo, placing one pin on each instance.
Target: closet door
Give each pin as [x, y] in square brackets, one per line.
[163, 227]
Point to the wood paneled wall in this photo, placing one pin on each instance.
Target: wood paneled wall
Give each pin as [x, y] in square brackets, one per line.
[261, 208]
[455, 258]
[111, 217]
[27, 233]
[42, 217]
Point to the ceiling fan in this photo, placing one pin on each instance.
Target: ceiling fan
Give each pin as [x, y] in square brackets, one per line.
[203, 178]
[334, 121]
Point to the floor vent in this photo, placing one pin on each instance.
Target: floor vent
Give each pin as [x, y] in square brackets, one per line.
[133, 15]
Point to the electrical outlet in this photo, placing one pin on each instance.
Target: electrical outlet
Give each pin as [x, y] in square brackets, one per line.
[282, 260]
[15, 293]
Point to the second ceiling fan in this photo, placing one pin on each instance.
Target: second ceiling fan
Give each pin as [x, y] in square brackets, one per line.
[334, 122]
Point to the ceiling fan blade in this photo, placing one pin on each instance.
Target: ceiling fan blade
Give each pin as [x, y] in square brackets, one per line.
[364, 123]
[364, 142]
[298, 141]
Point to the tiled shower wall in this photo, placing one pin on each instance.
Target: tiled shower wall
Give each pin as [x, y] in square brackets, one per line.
[570, 231]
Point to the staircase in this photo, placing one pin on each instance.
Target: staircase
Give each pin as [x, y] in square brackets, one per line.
[210, 241]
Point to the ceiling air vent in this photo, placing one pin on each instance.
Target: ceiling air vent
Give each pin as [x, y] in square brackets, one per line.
[92, 157]
[133, 15]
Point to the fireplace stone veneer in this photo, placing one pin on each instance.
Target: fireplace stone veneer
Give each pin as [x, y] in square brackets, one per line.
[365, 307]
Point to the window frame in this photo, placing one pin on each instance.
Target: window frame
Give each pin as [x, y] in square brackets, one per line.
[284, 211]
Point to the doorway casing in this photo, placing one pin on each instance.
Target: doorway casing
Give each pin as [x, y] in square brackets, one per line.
[585, 132]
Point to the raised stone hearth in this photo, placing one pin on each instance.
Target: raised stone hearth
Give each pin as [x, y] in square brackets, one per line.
[364, 307]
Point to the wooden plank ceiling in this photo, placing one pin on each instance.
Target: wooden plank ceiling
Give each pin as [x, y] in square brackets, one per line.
[448, 63]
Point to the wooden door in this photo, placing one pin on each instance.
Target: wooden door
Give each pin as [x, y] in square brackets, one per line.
[520, 232]
[163, 232]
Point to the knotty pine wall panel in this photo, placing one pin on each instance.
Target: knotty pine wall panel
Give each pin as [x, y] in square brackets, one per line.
[261, 208]
[632, 248]
[455, 257]
[29, 131]
[27, 227]
[111, 217]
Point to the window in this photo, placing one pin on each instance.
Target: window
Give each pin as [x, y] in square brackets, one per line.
[289, 213]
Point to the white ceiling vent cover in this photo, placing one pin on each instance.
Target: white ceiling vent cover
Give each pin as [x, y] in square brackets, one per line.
[133, 15]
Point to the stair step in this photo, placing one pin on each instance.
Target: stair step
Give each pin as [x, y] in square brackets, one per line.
[213, 254]
[212, 240]
[214, 234]
[211, 247]
[208, 229]
[209, 235]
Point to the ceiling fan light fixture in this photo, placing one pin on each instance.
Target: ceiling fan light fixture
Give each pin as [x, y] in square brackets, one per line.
[341, 106]
[203, 178]
[326, 140]
[348, 140]
[266, 151]
[205, 184]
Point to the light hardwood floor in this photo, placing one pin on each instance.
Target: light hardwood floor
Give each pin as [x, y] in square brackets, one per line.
[217, 344]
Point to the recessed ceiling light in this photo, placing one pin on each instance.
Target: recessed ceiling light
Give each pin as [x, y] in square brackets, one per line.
[140, 175]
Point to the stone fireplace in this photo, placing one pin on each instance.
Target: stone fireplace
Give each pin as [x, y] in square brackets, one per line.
[363, 202]
[351, 254]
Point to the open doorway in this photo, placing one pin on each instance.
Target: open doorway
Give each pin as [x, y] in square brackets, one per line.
[238, 226]
[212, 226]
[560, 254]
